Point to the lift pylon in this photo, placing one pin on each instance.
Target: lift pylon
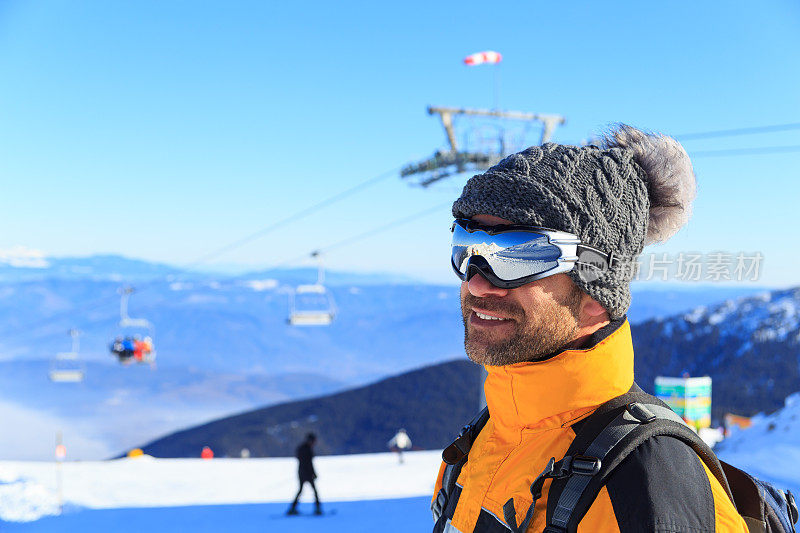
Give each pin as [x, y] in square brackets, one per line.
[468, 157]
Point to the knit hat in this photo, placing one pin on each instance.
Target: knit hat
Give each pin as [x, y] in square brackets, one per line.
[633, 190]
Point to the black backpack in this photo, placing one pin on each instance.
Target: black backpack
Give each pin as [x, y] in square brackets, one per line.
[605, 439]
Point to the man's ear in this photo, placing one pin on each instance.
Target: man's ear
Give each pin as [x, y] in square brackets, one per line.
[592, 312]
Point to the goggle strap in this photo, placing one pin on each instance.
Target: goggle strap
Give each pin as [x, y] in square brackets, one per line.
[611, 259]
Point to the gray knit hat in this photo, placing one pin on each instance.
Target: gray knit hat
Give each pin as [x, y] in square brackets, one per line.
[636, 189]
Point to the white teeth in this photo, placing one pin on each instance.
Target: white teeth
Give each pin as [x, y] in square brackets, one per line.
[488, 317]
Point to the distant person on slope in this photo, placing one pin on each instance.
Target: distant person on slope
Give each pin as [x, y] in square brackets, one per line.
[306, 473]
[400, 443]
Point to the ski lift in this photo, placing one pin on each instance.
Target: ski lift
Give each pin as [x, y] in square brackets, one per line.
[135, 340]
[66, 367]
[312, 305]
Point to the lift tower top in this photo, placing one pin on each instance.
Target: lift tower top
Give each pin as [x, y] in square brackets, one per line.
[478, 154]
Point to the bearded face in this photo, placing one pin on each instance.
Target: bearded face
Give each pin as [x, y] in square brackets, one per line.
[528, 323]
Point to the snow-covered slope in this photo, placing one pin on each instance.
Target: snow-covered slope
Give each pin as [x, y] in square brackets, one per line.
[750, 347]
[28, 490]
[770, 448]
[770, 316]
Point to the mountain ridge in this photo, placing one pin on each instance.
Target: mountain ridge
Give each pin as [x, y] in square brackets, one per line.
[350, 420]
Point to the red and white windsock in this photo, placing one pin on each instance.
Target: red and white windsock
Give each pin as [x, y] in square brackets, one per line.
[483, 57]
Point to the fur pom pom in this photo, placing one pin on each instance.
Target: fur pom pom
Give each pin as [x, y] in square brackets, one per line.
[671, 182]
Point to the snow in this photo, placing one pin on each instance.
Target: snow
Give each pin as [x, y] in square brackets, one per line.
[30, 491]
[366, 491]
[259, 285]
[770, 448]
[23, 501]
[755, 319]
[695, 315]
[23, 257]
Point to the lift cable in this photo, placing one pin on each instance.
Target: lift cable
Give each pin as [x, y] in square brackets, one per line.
[89, 306]
[738, 131]
[344, 242]
[292, 218]
[758, 150]
[364, 235]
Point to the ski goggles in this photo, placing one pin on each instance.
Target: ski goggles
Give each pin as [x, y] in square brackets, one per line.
[510, 256]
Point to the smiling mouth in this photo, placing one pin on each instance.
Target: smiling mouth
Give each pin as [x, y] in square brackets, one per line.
[481, 319]
[483, 316]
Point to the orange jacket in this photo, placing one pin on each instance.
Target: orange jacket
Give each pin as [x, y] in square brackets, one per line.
[663, 486]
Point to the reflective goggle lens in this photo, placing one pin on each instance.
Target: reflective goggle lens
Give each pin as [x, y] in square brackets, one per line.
[511, 255]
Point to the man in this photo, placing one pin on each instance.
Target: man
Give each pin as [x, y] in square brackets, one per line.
[400, 442]
[544, 312]
[306, 473]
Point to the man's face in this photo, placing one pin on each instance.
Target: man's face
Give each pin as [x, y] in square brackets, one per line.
[506, 326]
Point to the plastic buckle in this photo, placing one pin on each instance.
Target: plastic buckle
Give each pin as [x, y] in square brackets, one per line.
[538, 483]
[585, 466]
[554, 529]
[641, 413]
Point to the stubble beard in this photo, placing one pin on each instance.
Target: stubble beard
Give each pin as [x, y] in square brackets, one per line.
[540, 331]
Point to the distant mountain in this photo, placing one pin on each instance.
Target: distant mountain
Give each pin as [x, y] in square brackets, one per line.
[654, 300]
[116, 405]
[228, 337]
[431, 404]
[750, 347]
[129, 270]
[98, 267]
[240, 326]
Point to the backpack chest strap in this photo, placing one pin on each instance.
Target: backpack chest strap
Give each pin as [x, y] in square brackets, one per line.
[626, 422]
[580, 469]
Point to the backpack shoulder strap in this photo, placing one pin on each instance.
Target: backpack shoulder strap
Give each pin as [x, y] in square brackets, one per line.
[455, 456]
[603, 441]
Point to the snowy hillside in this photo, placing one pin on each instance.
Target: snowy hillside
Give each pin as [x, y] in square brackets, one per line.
[770, 448]
[750, 347]
[771, 316]
[27, 265]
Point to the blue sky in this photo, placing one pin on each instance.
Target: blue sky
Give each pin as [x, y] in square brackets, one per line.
[165, 130]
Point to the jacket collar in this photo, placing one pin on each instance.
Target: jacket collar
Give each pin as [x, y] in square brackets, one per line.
[565, 386]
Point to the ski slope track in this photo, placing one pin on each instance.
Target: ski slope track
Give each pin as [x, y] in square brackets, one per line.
[28, 490]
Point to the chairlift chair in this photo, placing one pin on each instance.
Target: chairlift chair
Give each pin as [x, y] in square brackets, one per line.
[312, 305]
[134, 328]
[67, 367]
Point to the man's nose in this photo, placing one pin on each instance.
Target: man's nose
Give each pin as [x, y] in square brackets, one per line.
[480, 287]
